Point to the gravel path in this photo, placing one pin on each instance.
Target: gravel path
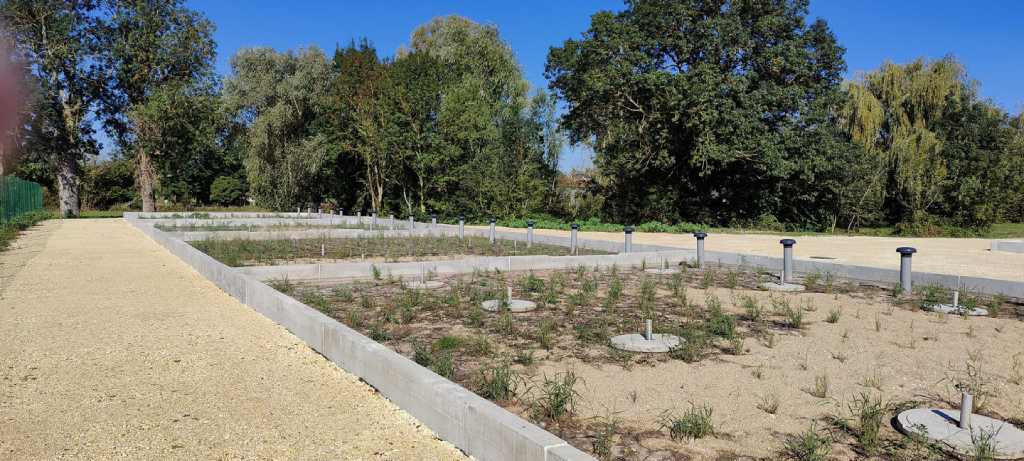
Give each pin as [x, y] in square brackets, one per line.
[110, 347]
[957, 256]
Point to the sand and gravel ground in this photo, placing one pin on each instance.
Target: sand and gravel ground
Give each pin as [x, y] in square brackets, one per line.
[110, 347]
[913, 356]
[966, 256]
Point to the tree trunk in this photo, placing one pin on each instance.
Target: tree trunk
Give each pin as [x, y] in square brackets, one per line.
[67, 187]
[146, 180]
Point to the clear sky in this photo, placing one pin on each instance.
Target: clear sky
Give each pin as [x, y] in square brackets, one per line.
[987, 37]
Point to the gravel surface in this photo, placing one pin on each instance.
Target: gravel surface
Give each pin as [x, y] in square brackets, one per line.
[113, 348]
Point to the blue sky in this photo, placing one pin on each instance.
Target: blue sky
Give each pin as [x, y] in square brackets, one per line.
[987, 36]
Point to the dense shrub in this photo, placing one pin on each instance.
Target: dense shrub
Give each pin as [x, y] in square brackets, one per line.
[226, 190]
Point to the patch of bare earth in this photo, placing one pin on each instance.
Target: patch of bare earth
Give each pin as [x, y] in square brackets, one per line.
[859, 339]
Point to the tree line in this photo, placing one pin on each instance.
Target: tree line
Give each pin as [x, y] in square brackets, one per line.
[732, 113]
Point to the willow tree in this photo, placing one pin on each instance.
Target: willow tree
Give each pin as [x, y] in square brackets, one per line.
[489, 154]
[895, 113]
[280, 99]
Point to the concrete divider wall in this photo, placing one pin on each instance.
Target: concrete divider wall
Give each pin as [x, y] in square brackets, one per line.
[475, 425]
[1012, 246]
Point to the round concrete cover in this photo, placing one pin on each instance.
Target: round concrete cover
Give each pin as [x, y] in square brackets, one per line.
[426, 285]
[940, 425]
[666, 271]
[514, 305]
[636, 342]
[958, 310]
[776, 286]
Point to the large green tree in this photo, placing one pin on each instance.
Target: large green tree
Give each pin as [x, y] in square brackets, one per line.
[281, 99]
[446, 126]
[158, 53]
[938, 152]
[708, 110]
[57, 41]
[492, 155]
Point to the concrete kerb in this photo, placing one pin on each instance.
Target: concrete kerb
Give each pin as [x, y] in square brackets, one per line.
[1012, 246]
[476, 425]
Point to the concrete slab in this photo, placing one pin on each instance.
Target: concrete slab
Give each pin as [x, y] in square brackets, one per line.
[957, 310]
[941, 425]
[514, 305]
[1011, 246]
[636, 342]
[776, 286]
[668, 271]
[426, 285]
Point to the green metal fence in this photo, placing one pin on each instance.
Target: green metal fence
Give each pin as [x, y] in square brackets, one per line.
[18, 196]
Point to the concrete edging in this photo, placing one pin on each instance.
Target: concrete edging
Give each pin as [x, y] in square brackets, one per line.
[1012, 246]
[477, 426]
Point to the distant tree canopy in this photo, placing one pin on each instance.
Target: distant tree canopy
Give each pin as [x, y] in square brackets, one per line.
[714, 112]
[708, 112]
[446, 126]
[938, 151]
[735, 113]
[280, 99]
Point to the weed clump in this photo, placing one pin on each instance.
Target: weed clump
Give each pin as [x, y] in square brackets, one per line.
[694, 423]
[558, 397]
[809, 445]
[869, 412]
[820, 389]
[769, 403]
[498, 382]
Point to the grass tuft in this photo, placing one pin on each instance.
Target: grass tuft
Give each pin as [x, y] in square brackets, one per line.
[694, 423]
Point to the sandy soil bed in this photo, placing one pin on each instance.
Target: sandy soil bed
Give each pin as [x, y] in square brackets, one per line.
[113, 348]
[963, 256]
[246, 252]
[876, 346]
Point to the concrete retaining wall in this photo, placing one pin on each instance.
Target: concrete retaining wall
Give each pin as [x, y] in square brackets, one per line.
[475, 425]
[1012, 246]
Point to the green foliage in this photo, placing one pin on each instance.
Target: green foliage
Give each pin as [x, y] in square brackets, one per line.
[694, 423]
[558, 397]
[57, 42]
[226, 190]
[498, 382]
[108, 184]
[162, 106]
[9, 230]
[940, 154]
[447, 126]
[678, 119]
[280, 97]
[809, 445]
[870, 412]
